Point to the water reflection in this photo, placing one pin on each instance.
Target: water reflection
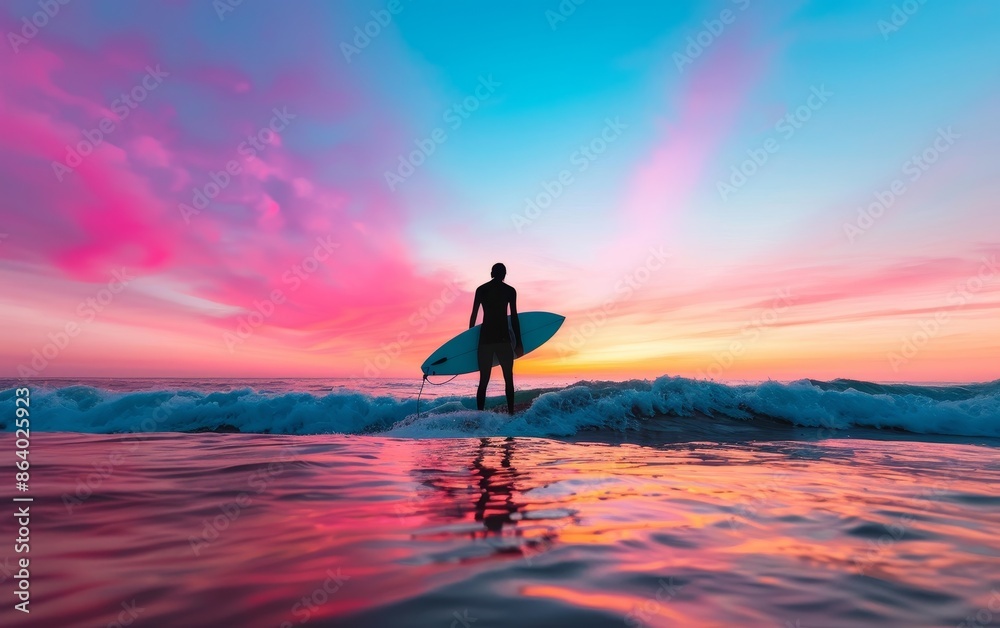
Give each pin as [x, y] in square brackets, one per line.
[497, 488]
[837, 533]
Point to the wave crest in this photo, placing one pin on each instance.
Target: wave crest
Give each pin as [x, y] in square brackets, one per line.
[636, 405]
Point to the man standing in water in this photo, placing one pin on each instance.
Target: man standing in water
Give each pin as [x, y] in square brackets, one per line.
[495, 336]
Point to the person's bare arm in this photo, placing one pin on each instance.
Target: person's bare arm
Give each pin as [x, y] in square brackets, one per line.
[475, 309]
[516, 324]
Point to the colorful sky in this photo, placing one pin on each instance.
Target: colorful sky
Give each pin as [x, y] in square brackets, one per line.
[696, 172]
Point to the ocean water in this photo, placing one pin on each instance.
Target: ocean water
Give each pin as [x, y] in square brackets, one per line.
[643, 503]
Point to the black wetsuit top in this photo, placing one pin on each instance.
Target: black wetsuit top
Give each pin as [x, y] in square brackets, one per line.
[495, 296]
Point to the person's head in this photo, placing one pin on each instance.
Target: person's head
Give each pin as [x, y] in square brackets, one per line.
[499, 271]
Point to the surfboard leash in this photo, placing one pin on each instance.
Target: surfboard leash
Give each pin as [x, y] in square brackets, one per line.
[425, 380]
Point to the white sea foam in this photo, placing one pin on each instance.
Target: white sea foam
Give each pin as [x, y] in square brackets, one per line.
[638, 405]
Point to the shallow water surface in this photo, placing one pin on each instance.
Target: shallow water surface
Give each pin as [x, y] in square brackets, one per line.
[266, 530]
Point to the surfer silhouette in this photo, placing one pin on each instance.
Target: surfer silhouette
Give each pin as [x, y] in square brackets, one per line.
[495, 337]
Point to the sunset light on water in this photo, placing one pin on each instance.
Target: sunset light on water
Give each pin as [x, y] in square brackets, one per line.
[520, 313]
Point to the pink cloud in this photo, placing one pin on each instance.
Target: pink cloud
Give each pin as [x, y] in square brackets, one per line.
[119, 206]
[714, 92]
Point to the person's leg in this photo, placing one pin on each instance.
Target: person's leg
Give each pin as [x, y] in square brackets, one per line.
[485, 365]
[505, 355]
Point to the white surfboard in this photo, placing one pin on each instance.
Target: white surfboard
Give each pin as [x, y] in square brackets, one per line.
[459, 355]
